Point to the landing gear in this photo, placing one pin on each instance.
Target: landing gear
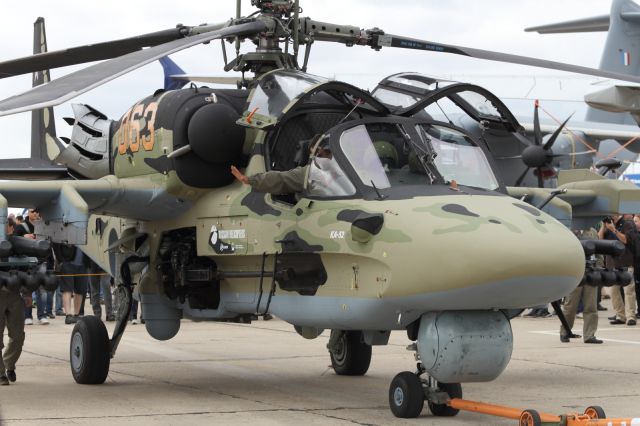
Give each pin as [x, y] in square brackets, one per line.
[91, 349]
[406, 397]
[90, 355]
[408, 391]
[350, 355]
[453, 390]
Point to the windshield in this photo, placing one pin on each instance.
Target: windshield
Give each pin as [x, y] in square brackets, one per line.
[326, 177]
[459, 158]
[277, 89]
[361, 153]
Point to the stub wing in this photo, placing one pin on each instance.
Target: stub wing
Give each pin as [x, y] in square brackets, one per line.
[589, 198]
[65, 206]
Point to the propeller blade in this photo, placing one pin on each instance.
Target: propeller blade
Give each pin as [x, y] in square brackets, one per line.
[574, 154]
[537, 135]
[390, 40]
[74, 84]
[540, 178]
[88, 53]
[515, 157]
[555, 134]
[521, 178]
[522, 139]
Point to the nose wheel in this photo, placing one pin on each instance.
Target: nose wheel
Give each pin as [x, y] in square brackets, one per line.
[408, 392]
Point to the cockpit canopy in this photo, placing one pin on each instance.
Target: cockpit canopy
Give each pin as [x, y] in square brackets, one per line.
[411, 94]
[370, 150]
[390, 154]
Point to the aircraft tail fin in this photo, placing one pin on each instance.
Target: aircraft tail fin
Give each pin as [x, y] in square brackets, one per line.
[621, 51]
[45, 146]
[44, 143]
[170, 69]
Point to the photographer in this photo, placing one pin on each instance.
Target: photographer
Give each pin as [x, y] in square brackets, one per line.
[621, 228]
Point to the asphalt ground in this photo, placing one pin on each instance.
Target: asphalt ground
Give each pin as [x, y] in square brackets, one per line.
[265, 374]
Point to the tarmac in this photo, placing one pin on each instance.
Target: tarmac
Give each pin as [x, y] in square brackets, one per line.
[265, 374]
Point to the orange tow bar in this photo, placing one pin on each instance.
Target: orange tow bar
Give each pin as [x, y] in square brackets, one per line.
[592, 416]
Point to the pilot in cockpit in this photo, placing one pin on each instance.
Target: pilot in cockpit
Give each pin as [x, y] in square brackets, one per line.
[285, 182]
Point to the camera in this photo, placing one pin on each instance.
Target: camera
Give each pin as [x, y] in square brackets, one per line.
[608, 219]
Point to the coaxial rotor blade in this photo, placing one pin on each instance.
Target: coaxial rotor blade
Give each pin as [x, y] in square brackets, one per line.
[389, 40]
[74, 84]
[88, 53]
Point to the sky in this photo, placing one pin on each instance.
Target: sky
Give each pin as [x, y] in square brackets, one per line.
[488, 24]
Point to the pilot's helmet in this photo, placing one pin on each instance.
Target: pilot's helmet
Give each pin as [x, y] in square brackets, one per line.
[387, 153]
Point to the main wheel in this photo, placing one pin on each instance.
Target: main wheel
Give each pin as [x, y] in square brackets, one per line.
[530, 418]
[595, 412]
[454, 390]
[89, 352]
[351, 355]
[406, 397]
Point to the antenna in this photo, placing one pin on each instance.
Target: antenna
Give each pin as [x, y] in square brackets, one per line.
[296, 29]
[238, 15]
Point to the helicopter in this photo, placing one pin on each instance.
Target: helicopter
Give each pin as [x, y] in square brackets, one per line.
[161, 209]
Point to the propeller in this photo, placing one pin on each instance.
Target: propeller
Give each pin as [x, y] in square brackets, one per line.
[538, 155]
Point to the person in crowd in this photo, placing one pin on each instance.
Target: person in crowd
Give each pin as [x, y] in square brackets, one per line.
[621, 228]
[12, 318]
[588, 295]
[74, 283]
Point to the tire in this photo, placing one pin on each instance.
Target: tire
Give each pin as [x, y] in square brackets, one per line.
[530, 418]
[352, 356]
[89, 353]
[595, 412]
[454, 390]
[406, 396]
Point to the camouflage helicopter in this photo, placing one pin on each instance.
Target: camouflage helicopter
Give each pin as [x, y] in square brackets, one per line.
[383, 236]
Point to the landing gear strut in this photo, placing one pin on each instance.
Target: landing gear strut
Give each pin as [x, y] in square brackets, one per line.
[350, 355]
[408, 391]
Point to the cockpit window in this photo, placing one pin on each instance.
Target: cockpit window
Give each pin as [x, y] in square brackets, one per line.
[277, 89]
[395, 99]
[326, 177]
[480, 103]
[357, 146]
[459, 158]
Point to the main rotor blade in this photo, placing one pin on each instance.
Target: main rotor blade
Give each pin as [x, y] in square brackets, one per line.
[74, 84]
[88, 53]
[390, 40]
